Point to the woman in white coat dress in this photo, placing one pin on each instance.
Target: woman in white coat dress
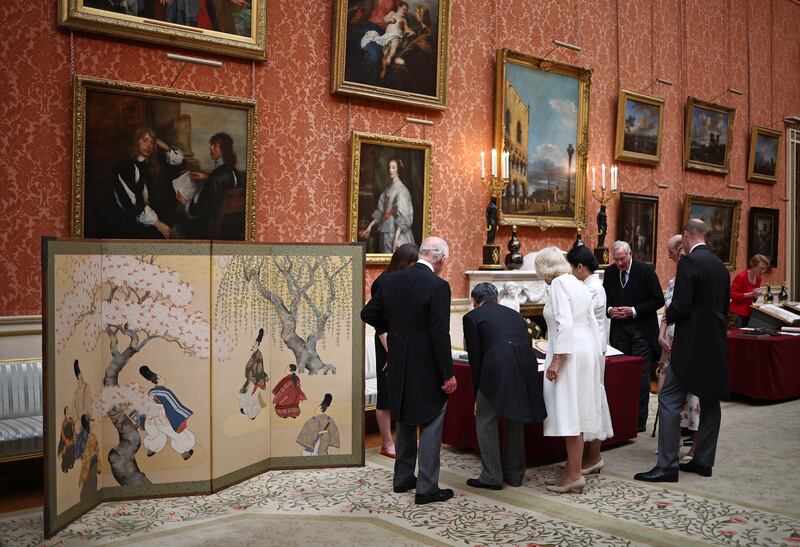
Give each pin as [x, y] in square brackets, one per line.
[583, 264]
[572, 384]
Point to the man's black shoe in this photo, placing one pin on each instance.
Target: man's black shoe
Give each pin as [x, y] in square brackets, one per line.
[691, 467]
[410, 484]
[657, 474]
[641, 428]
[442, 494]
[476, 483]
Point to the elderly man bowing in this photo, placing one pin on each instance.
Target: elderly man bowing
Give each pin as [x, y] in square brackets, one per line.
[506, 380]
[413, 307]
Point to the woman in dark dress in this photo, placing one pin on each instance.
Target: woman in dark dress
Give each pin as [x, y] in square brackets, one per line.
[406, 255]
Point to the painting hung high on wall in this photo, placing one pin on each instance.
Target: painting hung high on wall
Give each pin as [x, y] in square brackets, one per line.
[638, 225]
[640, 121]
[230, 27]
[765, 145]
[542, 122]
[392, 50]
[390, 193]
[722, 218]
[156, 163]
[762, 235]
[709, 134]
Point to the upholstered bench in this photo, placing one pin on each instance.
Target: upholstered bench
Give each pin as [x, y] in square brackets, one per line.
[21, 429]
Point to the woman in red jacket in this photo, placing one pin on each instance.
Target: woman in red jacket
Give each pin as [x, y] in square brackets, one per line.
[745, 288]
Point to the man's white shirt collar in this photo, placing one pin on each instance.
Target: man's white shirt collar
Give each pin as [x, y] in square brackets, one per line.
[428, 264]
[695, 246]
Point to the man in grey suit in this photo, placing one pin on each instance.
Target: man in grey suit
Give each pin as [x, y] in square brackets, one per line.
[505, 375]
[413, 307]
[699, 361]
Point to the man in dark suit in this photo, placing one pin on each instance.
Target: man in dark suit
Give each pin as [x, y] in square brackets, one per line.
[505, 375]
[699, 361]
[413, 307]
[634, 295]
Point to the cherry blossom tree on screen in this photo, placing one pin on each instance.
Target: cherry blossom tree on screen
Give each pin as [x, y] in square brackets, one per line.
[130, 301]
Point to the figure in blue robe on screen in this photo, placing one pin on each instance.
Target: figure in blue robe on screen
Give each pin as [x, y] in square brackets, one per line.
[170, 422]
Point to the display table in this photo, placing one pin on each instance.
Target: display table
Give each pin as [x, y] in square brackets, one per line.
[764, 368]
[622, 389]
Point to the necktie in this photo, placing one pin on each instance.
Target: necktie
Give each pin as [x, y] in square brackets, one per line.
[624, 279]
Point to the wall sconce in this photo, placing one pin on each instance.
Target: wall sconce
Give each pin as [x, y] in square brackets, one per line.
[185, 59]
[561, 43]
[416, 121]
[729, 90]
[663, 81]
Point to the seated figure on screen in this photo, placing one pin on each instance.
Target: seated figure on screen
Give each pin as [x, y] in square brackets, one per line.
[170, 422]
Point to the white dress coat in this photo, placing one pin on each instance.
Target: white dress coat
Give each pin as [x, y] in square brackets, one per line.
[599, 309]
[573, 401]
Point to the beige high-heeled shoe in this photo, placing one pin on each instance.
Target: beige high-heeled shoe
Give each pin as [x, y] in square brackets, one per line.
[594, 468]
[551, 481]
[575, 486]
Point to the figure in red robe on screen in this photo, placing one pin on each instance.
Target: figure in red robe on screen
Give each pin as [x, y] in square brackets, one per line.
[288, 395]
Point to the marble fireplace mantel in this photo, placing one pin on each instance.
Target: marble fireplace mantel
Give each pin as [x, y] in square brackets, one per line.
[522, 290]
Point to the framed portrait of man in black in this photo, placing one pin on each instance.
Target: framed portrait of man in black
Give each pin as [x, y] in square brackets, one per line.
[158, 163]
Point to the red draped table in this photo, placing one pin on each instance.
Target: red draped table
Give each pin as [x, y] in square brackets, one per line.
[764, 368]
[622, 390]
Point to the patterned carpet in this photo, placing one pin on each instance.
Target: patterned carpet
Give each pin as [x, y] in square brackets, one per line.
[357, 506]
[750, 501]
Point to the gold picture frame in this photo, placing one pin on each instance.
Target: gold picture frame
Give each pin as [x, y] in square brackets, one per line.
[722, 217]
[238, 31]
[704, 149]
[635, 141]
[535, 92]
[373, 186]
[107, 115]
[765, 148]
[412, 70]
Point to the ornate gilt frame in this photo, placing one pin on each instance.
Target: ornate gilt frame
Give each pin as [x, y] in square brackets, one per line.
[74, 15]
[358, 139]
[82, 84]
[697, 165]
[629, 155]
[343, 87]
[733, 204]
[752, 176]
[584, 78]
[626, 203]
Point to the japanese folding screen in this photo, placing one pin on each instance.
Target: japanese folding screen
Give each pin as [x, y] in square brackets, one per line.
[182, 368]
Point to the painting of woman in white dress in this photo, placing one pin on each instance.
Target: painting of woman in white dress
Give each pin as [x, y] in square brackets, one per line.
[390, 193]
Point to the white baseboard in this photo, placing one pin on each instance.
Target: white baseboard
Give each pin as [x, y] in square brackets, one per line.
[20, 337]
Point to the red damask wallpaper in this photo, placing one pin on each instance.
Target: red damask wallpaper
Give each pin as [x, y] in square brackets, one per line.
[703, 46]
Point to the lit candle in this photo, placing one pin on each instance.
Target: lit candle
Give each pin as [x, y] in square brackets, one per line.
[504, 165]
[614, 177]
[594, 177]
[483, 166]
[494, 162]
[603, 177]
